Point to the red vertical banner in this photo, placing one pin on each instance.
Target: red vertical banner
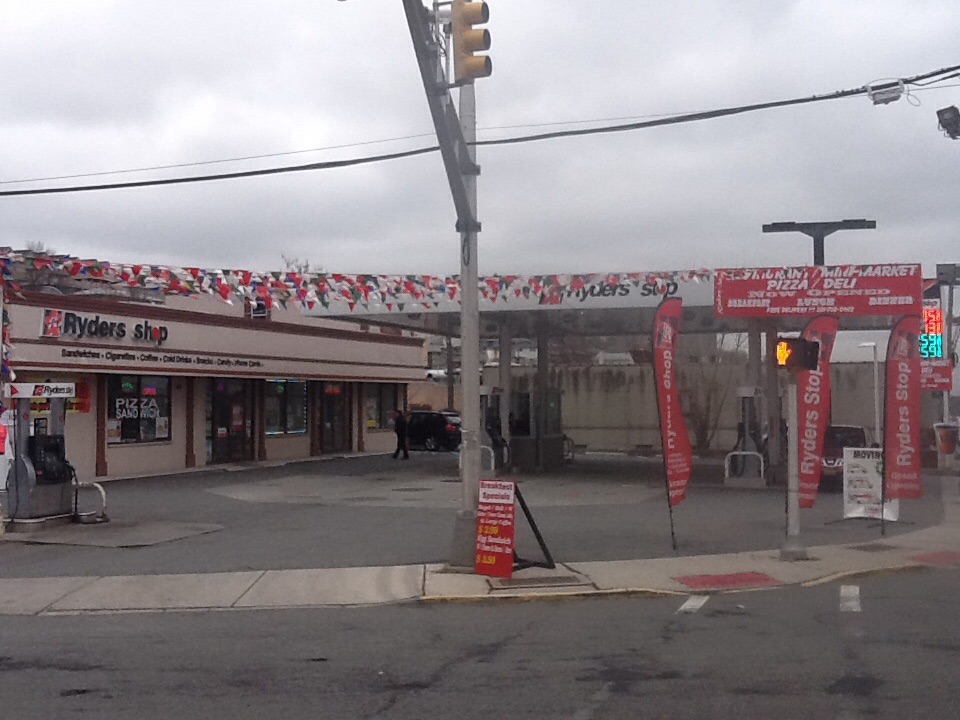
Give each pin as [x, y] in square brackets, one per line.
[495, 527]
[901, 408]
[813, 407]
[677, 455]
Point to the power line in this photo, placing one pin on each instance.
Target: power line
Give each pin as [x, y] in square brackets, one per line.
[216, 162]
[265, 156]
[623, 127]
[225, 176]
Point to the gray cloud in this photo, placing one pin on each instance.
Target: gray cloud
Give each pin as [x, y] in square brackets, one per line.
[106, 85]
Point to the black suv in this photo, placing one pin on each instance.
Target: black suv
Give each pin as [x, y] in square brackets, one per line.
[433, 430]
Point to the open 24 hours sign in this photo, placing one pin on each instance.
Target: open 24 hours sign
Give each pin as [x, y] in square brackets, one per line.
[884, 289]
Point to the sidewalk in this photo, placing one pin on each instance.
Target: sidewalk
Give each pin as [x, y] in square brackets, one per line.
[932, 546]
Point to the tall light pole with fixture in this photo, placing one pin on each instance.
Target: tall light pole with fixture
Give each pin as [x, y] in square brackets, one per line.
[819, 231]
[876, 390]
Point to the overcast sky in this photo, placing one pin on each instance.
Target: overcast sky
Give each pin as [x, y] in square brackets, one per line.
[102, 85]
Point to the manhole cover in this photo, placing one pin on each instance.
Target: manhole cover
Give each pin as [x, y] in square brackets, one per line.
[530, 582]
[411, 489]
[872, 547]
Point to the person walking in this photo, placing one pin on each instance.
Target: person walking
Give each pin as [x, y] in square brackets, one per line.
[400, 428]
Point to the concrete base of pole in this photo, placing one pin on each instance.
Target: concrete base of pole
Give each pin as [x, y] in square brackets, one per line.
[464, 541]
[793, 550]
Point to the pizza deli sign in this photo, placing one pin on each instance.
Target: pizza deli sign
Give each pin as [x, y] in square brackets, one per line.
[64, 324]
[888, 289]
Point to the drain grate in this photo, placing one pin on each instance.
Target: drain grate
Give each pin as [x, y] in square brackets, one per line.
[534, 582]
[872, 547]
[410, 489]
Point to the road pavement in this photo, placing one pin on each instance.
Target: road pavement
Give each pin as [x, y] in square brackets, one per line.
[882, 647]
[368, 530]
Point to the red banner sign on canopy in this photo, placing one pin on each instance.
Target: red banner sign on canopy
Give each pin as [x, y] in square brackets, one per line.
[813, 407]
[841, 290]
[901, 439]
[677, 454]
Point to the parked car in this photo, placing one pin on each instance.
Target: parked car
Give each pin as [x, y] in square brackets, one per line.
[433, 430]
[836, 439]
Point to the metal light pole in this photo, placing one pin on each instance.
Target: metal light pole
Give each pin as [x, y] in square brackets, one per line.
[793, 548]
[819, 230]
[466, 523]
[876, 390]
[948, 274]
[455, 136]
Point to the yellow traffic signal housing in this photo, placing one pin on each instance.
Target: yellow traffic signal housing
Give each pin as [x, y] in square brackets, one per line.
[468, 40]
[797, 354]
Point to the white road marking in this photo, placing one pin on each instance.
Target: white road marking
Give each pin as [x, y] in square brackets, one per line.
[693, 603]
[849, 598]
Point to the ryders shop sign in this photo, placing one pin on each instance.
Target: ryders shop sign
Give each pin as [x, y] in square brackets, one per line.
[75, 326]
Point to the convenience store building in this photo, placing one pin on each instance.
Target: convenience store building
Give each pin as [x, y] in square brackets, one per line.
[191, 382]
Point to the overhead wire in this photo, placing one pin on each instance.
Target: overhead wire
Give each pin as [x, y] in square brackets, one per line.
[621, 127]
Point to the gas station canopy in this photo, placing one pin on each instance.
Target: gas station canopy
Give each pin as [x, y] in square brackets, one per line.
[864, 297]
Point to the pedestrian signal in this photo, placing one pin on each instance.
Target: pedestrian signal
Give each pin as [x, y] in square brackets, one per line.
[797, 354]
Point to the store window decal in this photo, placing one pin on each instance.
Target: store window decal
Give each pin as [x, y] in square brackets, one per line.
[138, 409]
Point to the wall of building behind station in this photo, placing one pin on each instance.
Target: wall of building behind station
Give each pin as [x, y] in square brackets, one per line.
[614, 408]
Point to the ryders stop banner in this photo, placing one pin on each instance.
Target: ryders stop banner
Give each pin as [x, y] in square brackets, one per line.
[813, 407]
[677, 455]
[901, 439]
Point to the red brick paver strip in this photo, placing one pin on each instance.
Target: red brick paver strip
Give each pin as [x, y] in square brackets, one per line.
[729, 580]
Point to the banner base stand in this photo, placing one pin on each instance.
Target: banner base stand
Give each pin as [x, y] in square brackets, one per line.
[520, 563]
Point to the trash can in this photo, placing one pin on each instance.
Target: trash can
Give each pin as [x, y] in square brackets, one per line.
[947, 437]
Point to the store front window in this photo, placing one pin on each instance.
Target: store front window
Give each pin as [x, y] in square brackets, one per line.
[285, 407]
[138, 409]
[381, 400]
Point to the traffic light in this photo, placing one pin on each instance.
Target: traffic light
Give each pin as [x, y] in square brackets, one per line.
[797, 354]
[467, 40]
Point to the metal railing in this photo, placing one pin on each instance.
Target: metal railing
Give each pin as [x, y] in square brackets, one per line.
[92, 516]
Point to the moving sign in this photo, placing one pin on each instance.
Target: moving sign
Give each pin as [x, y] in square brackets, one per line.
[931, 331]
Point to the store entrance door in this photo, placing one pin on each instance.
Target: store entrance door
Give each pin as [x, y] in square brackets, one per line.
[230, 420]
[334, 418]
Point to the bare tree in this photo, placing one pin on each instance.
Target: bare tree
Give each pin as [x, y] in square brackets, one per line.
[707, 380]
[38, 247]
[304, 267]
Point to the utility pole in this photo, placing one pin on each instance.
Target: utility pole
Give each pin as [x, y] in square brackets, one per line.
[819, 230]
[455, 136]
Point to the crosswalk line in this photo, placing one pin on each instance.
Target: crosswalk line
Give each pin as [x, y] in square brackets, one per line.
[849, 598]
[693, 603]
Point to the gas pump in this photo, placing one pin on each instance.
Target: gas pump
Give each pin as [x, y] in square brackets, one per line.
[491, 433]
[40, 482]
